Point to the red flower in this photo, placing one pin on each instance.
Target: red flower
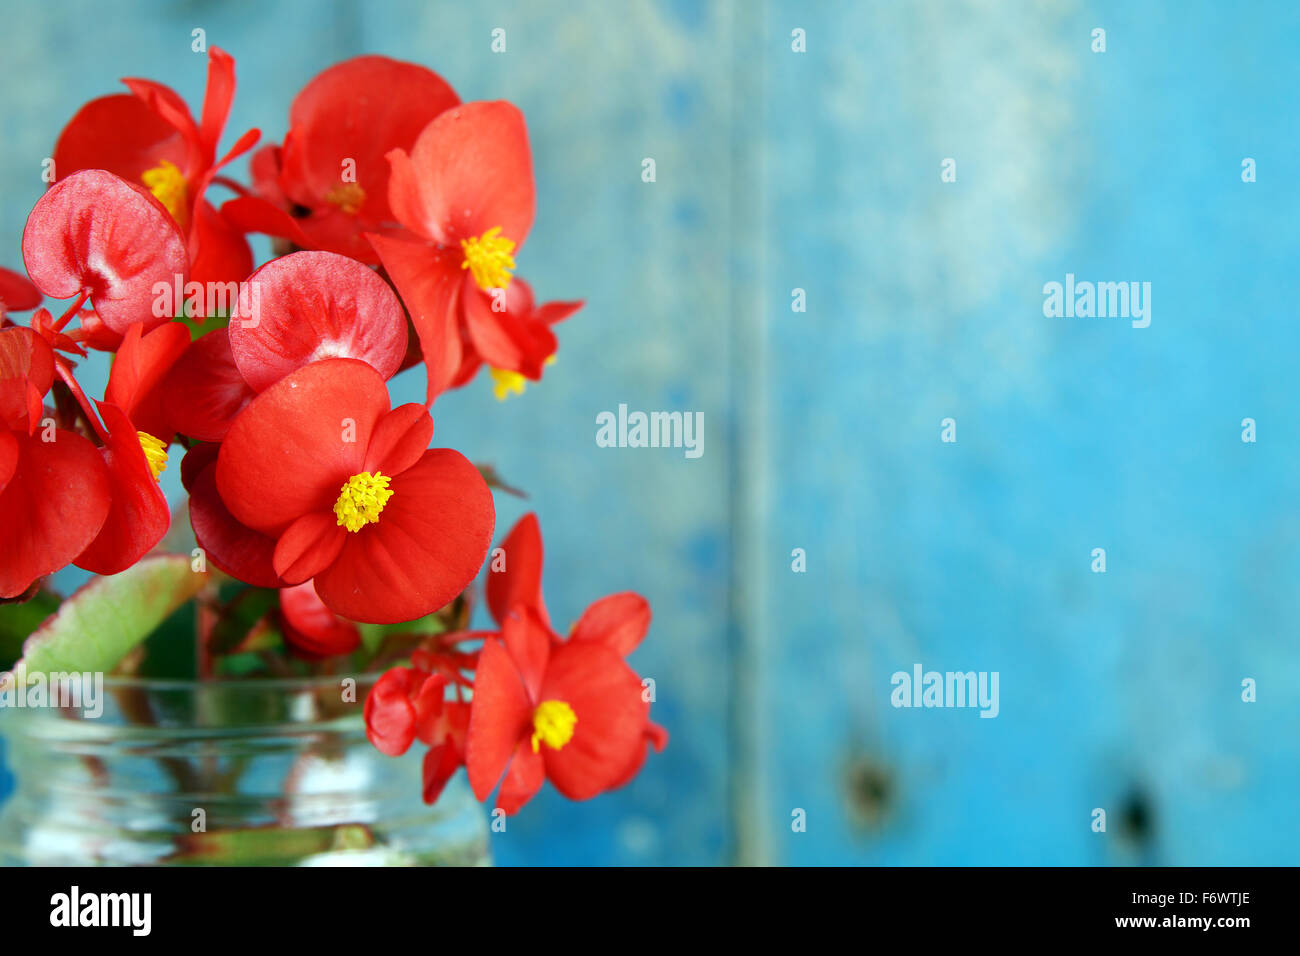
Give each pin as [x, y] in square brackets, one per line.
[311, 628]
[54, 488]
[389, 530]
[465, 194]
[409, 703]
[328, 184]
[149, 137]
[569, 712]
[518, 318]
[98, 236]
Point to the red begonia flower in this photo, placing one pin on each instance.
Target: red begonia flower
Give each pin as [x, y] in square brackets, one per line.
[314, 305]
[404, 704]
[17, 294]
[465, 192]
[138, 516]
[331, 169]
[135, 382]
[149, 136]
[311, 628]
[318, 461]
[570, 713]
[204, 390]
[512, 334]
[97, 233]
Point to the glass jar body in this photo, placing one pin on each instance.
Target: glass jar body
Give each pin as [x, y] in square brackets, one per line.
[231, 773]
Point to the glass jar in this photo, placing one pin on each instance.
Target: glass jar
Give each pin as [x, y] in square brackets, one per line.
[227, 772]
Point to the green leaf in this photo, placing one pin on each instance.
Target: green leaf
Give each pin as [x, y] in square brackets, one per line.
[96, 627]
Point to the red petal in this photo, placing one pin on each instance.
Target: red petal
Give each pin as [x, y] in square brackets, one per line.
[428, 544]
[313, 305]
[254, 214]
[218, 250]
[655, 737]
[200, 456]
[98, 232]
[429, 281]
[26, 368]
[524, 778]
[120, 134]
[500, 719]
[167, 105]
[605, 695]
[16, 293]
[135, 381]
[139, 516]
[528, 640]
[521, 581]
[440, 763]
[552, 312]
[8, 457]
[618, 621]
[295, 445]
[399, 440]
[357, 111]
[308, 546]
[217, 97]
[470, 170]
[53, 506]
[506, 339]
[264, 171]
[235, 548]
[312, 627]
[429, 701]
[204, 390]
[390, 717]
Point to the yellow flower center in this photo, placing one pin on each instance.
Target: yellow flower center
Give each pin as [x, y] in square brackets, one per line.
[167, 183]
[349, 197]
[489, 258]
[155, 453]
[505, 382]
[553, 723]
[362, 499]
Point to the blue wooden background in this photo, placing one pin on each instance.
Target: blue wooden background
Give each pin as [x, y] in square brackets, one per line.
[820, 170]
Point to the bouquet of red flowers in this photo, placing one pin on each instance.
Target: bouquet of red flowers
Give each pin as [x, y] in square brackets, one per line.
[329, 538]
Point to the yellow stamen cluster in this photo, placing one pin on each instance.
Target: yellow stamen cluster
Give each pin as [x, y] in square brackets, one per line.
[489, 257]
[155, 453]
[505, 382]
[167, 183]
[362, 499]
[349, 197]
[553, 723]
